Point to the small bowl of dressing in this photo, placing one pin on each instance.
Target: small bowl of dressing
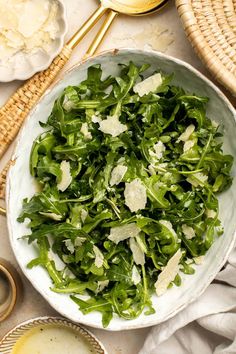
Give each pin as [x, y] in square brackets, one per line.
[50, 335]
[8, 289]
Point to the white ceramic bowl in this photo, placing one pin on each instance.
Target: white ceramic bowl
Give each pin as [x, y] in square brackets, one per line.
[20, 185]
[90, 342]
[24, 65]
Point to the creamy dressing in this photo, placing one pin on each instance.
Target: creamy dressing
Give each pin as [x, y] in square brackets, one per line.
[47, 339]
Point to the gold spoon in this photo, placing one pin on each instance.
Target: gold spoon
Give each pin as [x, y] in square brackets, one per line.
[107, 23]
[13, 113]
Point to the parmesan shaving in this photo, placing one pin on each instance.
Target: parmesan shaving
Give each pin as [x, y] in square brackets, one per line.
[186, 134]
[188, 232]
[102, 284]
[79, 241]
[96, 118]
[52, 216]
[210, 213]
[169, 226]
[117, 174]
[27, 26]
[188, 145]
[136, 278]
[159, 149]
[148, 85]
[135, 195]
[98, 257]
[84, 215]
[112, 126]
[121, 233]
[197, 179]
[84, 130]
[69, 245]
[168, 274]
[66, 177]
[138, 254]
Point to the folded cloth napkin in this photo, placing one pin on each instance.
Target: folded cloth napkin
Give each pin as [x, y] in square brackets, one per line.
[206, 326]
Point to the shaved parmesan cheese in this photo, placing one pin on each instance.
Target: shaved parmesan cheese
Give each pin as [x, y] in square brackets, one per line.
[186, 134]
[210, 213]
[102, 284]
[52, 216]
[112, 126]
[199, 260]
[169, 226]
[117, 174]
[96, 118]
[168, 274]
[67, 273]
[136, 278]
[159, 149]
[66, 177]
[79, 241]
[98, 257]
[162, 165]
[135, 195]
[69, 245]
[188, 145]
[188, 231]
[84, 215]
[27, 26]
[187, 203]
[120, 233]
[151, 170]
[148, 85]
[138, 253]
[197, 179]
[68, 104]
[84, 130]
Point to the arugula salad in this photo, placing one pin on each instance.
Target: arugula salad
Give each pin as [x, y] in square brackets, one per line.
[128, 170]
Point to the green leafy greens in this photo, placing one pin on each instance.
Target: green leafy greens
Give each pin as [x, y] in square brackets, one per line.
[128, 179]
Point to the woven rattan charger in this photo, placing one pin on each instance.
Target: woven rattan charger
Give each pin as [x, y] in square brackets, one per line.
[210, 26]
[14, 112]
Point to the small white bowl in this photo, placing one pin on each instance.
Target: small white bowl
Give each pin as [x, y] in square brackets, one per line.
[24, 65]
[90, 342]
[20, 184]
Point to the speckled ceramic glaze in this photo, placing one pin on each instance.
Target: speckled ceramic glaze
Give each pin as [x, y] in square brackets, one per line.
[20, 185]
[9, 340]
[24, 65]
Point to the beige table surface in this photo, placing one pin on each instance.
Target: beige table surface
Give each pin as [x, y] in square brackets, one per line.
[162, 32]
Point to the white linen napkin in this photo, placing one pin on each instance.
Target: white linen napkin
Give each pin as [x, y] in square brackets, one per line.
[206, 326]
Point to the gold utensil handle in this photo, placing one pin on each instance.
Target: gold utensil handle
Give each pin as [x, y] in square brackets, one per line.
[86, 27]
[14, 112]
[101, 34]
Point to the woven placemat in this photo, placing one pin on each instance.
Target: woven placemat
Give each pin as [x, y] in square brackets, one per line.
[210, 26]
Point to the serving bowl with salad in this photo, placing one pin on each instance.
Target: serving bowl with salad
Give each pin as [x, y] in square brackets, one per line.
[121, 199]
